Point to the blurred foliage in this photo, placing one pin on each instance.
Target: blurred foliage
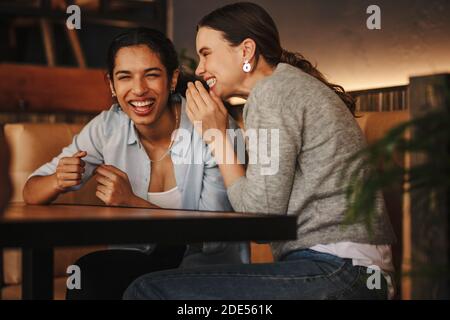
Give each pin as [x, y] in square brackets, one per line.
[428, 140]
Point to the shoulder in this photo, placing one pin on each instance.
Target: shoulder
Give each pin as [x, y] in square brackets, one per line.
[288, 83]
[113, 116]
[109, 121]
[277, 90]
[290, 86]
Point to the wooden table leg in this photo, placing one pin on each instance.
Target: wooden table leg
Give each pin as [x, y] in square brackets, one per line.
[37, 273]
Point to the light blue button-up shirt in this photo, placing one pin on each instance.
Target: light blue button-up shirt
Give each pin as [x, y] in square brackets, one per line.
[111, 138]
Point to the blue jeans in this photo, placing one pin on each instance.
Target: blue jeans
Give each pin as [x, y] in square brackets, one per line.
[302, 274]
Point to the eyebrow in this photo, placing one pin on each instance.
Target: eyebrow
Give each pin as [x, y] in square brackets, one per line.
[203, 49]
[146, 70]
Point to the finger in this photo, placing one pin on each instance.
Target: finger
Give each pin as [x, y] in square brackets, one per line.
[114, 170]
[68, 176]
[101, 196]
[204, 94]
[194, 110]
[197, 123]
[72, 160]
[105, 190]
[103, 180]
[191, 103]
[80, 154]
[196, 97]
[70, 168]
[68, 183]
[101, 170]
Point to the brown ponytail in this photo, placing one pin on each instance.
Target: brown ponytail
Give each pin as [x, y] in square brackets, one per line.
[297, 60]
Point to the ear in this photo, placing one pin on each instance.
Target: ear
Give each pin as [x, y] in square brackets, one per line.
[249, 49]
[111, 86]
[174, 80]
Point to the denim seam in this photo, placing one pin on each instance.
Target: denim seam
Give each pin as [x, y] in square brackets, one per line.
[225, 275]
[349, 288]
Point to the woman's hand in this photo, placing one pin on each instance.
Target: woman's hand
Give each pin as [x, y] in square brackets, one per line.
[114, 187]
[208, 109]
[69, 171]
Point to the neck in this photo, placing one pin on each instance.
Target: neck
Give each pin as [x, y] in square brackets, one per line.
[161, 131]
[262, 70]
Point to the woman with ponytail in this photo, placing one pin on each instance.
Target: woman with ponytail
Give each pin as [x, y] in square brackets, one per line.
[309, 126]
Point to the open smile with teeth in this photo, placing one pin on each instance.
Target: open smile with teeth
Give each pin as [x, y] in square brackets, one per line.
[142, 104]
[211, 82]
[142, 107]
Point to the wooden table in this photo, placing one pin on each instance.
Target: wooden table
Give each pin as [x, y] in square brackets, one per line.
[38, 229]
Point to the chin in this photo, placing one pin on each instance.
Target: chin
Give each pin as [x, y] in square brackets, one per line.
[225, 96]
[224, 93]
[143, 121]
[218, 92]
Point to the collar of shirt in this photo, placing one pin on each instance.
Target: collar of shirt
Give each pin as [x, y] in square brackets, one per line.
[180, 147]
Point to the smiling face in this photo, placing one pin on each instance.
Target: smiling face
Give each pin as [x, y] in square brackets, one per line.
[220, 63]
[141, 84]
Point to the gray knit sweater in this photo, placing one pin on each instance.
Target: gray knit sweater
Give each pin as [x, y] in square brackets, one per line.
[317, 134]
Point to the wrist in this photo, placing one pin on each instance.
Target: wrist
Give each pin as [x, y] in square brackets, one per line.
[136, 201]
[217, 141]
[132, 201]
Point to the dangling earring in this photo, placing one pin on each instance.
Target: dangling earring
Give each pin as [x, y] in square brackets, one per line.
[247, 67]
[113, 94]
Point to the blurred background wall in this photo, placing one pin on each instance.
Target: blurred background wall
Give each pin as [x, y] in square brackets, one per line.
[414, 38]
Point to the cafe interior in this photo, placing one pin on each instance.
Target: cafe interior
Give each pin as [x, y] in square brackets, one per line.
[52, 82]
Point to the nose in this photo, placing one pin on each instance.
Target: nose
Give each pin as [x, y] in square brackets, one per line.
[139, 87]
[200, 69]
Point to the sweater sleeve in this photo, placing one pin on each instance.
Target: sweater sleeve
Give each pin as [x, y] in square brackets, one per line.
[274, 142]
[214, 195]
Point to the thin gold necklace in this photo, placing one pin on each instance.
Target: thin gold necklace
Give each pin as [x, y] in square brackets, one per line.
[172, 139]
